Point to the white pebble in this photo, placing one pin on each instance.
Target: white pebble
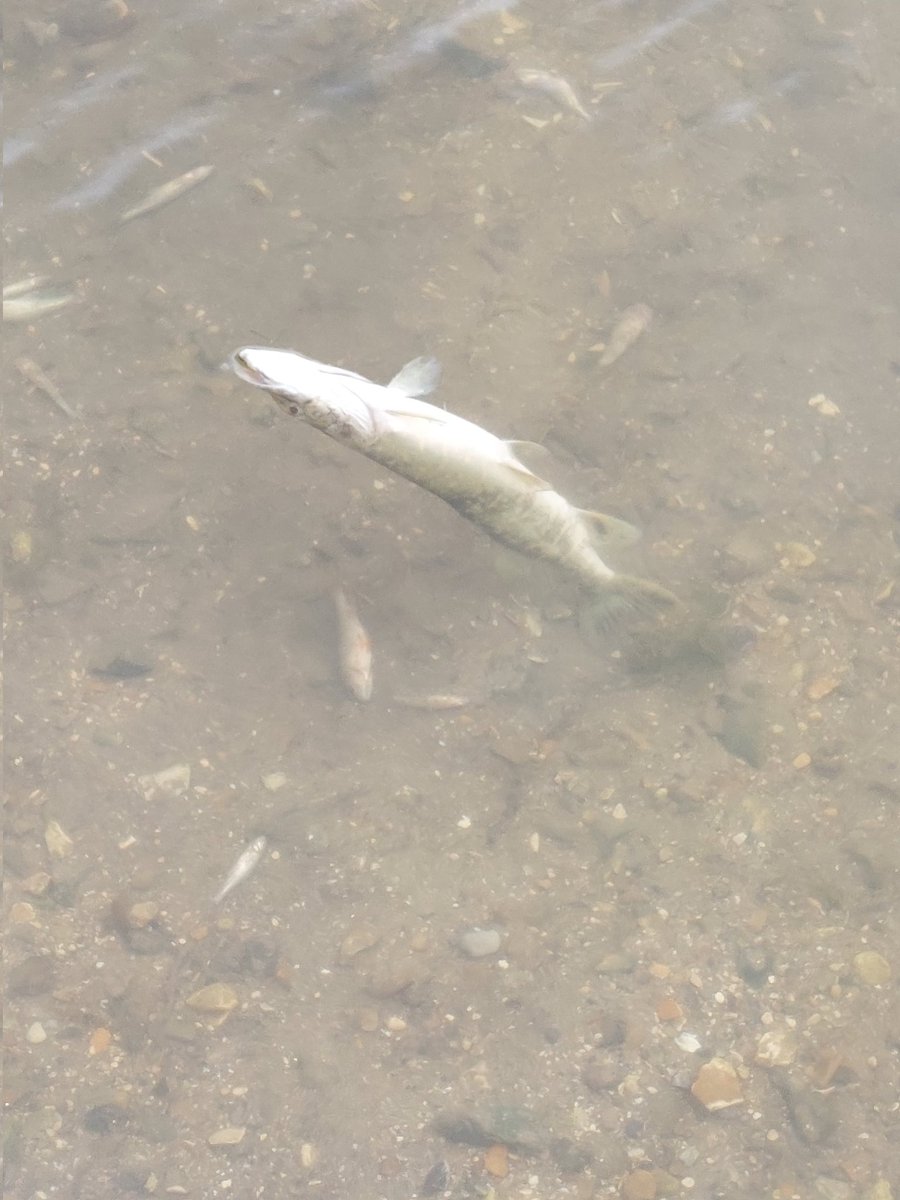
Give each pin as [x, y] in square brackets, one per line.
[479, 943]
[36, 1034]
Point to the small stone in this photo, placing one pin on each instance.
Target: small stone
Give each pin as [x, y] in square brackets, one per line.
[496, 1161]
[309, 1155]
[274, 781]
[171, 781]
[688, 1042]
[717, 1085]
[58, 842]
[802, 761]
[639, 1185]
[776, 1048]
[367, 1019]
[872, 968]
[822, 686]
[823, 406]
[479, 943]
[142, 914]
[36, 1034]
[395, 1025]
[37, 884]
[880, 1190]
[22, 913]
[669, 1009]
[437, 1180]
[363, 937]
[231, 1135]
[100, 1042]
[797, 554]
[601, 1076]
[31, 977]
[214, 998]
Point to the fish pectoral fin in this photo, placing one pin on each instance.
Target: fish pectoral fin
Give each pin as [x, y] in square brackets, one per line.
[420, 377]
[610, 531]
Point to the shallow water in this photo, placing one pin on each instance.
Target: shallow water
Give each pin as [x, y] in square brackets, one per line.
[679, 832]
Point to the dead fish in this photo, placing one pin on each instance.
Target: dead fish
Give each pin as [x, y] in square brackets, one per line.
[29, 299]
[625, 332]
[477, 473]
[355, 649]
[245, 863]
[554, 86]
[167, 192]
[30, 371]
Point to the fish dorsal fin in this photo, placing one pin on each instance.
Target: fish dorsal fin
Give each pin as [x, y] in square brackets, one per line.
[609, 531]
[532, 454]
[525, 475]
[419, 377]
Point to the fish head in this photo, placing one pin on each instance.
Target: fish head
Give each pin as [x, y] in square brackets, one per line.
[278, 372]
[336, 401]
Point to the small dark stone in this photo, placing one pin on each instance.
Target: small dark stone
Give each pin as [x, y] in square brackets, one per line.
[570, 1157]
[754, 964]
[105, 1118]
[600, 1076]
[122, 668]
[437, 1180]
[31, 977]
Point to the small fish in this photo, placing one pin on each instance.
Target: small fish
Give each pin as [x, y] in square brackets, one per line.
[477, 473]
[29, 299]
[355, 649]
[244, 865]
[626, 331]
[167, 192]
[554, 86]
[30, 371]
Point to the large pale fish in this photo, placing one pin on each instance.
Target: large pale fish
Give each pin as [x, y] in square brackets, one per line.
[477, 473]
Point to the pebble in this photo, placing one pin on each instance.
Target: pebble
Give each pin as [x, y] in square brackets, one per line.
[22, 913]
[214, 998]
[36, 1034]
[639, 1185]
[37, 884]
[58, 842]
[802, 761]
[496, 1161]
[171, 781]
[798, 555]
[231, 1135]
[717, 1086]
[776, 1048]
[274, 781]
[822, 686]
[668, 1009]
[479, 943]
[363, 937]
[871, 967]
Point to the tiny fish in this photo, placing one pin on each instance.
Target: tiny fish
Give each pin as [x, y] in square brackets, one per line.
[625, 332]
[29, 370]
[167, 192]
[244, 865]
[355, 648]
[29, 299]
[477, 473]
[554, 86]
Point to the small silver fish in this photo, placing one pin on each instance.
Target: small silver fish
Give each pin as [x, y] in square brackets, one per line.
[626, 331]
[29, 299]
[167, 192]
[477, 473]
[245, 863]
[554, 86]
[355, 649]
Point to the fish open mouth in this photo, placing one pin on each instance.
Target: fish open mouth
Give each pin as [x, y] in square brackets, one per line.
[243, 369]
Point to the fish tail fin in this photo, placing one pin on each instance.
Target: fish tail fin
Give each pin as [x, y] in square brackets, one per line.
[623, 596]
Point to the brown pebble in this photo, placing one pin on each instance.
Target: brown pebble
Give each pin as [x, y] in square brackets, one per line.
[669, 1009]
[496, 1161]
[822, 686]
[717, 1085]
[100, 1041]
[802, 761]
[639, 1185]
[37, 884]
